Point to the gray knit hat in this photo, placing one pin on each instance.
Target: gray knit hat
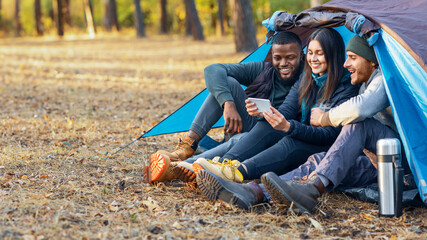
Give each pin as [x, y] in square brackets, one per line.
[359, 46]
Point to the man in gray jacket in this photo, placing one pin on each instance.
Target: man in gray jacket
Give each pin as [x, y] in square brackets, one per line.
[366, 118]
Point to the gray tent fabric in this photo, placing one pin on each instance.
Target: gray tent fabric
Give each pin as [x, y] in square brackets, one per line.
[406, 26]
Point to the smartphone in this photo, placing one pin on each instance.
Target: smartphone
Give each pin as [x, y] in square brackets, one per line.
[261, 104]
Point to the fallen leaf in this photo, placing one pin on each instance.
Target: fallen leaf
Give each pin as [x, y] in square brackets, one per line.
[113, 208]
[369, 217]
[151, 204]
[316, 224]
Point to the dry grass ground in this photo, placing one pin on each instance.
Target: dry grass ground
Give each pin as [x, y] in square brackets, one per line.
[64, 104]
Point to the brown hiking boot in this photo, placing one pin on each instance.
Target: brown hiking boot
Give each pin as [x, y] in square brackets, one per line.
[184, 149]
[160, 169]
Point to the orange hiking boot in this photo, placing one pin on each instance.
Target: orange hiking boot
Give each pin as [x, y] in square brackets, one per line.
[184, 149]
[160, 169]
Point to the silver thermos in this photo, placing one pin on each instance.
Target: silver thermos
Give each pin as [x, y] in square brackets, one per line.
[390, 177]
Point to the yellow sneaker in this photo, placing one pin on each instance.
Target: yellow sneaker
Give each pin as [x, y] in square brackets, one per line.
[227, 169]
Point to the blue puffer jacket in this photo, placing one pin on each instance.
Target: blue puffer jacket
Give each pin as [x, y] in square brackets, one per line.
[303, 130]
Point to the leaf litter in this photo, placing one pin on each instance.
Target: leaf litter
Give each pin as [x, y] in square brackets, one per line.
[66, 103]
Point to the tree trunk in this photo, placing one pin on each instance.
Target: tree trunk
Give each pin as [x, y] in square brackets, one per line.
[196, 26]
[110, 15]
[314, 3]
[17, 19]
[90, 24]
[244, 27]
[38, 16]
[164, 28]
[66, 12]
[139, 20]
[58, 17]
[106, 20]
[188, 26]
[113, 9]
[212, 13]
[220, 31]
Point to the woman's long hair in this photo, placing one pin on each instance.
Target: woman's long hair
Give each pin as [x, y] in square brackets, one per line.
[333, 49]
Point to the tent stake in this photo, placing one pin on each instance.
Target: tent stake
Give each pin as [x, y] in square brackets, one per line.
[125, 146]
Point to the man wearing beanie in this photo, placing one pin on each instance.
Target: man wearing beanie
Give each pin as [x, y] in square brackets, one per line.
[365, 118]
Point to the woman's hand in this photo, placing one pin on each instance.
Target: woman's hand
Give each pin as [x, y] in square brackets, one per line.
[252, 109]
[277, 120]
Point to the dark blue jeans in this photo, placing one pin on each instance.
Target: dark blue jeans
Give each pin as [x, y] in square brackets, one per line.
[345, 163]
[219, 150]
[265, 149]
[210, 112]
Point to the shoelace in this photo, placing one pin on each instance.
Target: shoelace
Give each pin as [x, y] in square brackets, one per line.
[227, 163]
[181, 146]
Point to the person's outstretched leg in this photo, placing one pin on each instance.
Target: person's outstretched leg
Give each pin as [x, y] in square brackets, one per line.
[209, 113]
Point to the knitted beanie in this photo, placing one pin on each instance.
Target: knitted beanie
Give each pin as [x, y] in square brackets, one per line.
[360, 47]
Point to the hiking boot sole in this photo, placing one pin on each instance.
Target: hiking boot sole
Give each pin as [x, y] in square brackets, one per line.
[216, 188]
[184, 174]
[273, 187]
[277, 188]
[157, 169]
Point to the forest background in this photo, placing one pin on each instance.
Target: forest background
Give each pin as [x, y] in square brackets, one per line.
[197, 18]
[70, 95]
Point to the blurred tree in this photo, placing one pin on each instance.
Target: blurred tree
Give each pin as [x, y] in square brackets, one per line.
[193, 18]
[110, 15]
[188, 25]
[164, 28]
[38, 18]
[58, 17]
[17, 18]
[139, 20]
[220, 30]
[90, 24]
[66, 12]
[244, 27]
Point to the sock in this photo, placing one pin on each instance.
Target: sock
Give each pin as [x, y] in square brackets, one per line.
[195, 143]
[324, 180]
[243, 171]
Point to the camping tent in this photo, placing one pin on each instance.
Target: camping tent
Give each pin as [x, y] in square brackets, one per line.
[399, 41]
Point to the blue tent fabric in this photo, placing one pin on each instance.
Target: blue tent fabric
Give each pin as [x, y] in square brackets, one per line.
[402, 57]
[181, 119]
[406, 85]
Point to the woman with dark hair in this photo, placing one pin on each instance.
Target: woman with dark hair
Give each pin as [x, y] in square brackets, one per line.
[285, 139]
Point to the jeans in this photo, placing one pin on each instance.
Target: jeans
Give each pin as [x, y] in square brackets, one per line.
[345, 162]
[340, 160]
[210, 111]
[220, 150]
[265, 149]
